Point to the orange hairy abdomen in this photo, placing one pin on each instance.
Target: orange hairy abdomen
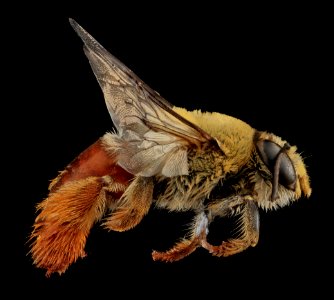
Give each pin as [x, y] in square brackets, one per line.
[94, 161]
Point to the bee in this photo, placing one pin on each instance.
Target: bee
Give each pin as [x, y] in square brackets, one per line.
[210, 163]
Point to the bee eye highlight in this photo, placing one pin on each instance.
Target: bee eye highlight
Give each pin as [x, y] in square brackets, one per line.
[278, 162]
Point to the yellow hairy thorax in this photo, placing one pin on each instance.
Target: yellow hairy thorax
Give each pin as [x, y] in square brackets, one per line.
[234, 136]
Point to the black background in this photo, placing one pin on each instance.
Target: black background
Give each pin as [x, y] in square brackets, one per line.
[267, 69]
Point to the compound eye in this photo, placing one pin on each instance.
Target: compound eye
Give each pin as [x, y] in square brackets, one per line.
[269, 153]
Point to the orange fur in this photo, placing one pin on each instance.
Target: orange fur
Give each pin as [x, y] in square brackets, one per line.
[66, 217]
[78, 198]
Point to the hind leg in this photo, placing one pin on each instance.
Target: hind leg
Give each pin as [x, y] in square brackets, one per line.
[65, 220]
[133, 206]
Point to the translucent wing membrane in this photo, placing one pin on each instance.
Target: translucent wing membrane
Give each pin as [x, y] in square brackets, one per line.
[153, 139]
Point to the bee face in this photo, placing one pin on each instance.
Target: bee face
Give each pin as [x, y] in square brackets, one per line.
[284, 176]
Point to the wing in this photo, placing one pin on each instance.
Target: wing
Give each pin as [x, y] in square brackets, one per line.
[152, 138]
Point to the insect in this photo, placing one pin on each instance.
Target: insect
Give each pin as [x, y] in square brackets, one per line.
[162, 155]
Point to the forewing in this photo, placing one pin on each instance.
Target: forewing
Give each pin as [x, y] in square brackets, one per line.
[153, 139]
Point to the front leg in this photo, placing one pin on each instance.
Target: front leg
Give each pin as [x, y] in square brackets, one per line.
[249, 233]
[185, 247]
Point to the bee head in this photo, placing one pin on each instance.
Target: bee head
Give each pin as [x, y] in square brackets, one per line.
[285, 165]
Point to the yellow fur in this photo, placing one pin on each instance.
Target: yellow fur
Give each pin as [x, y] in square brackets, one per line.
[234, 136]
